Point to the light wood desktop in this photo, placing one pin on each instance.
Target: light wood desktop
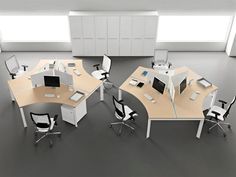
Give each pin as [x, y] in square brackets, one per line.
[163, 108]
[24, 94]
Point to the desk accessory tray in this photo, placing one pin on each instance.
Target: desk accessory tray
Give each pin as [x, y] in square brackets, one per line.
[77, 96]
[203, 82]
[71, 64]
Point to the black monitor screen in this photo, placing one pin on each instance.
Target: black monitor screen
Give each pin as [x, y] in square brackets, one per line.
[158, 85]
[52, 81]
[183, 85]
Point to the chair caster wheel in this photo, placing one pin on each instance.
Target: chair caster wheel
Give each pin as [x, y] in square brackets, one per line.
[59, 135]
[35, 144]
[224, 135]
[208, 131]
[229, 126]
[110, 126]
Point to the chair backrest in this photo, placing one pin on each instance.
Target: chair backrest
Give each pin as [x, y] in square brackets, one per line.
[229, 107]
[41, 120]
[160, 56]
[106, 63]
[119, 108]
[12, 64]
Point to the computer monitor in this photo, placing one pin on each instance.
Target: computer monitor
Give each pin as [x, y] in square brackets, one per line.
[158, 85]
[183, 85]
[52, 81]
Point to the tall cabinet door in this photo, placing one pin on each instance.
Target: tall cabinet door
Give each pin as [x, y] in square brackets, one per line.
[88, 35]
[125, 35]
[76, 27]
[113, 35]
[150, 32]
[137, 35]
[100, 35]
[76, 35]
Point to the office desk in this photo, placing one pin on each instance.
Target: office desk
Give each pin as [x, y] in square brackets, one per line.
[164, 109]
[24, 94]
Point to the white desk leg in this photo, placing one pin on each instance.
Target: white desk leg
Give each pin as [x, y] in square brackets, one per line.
[102, 92]
[119, 94]
[148, 128]
[213, 98]
[23, 117]
[199, 131]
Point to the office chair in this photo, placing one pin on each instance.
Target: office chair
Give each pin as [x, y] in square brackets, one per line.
[161, 59]
[103, 73]
[44, 125]
[13, 67]
[123, 113]
[219, 114]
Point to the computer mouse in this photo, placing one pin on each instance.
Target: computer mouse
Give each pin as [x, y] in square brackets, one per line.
[58, 96]
[153, 101]
[198, 92]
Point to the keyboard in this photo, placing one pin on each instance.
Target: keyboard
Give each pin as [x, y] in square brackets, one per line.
[194, 96]
[49, 95]
[148, 97]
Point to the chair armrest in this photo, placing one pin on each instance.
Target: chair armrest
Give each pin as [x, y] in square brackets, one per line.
[105, 75]
[153, 63]
[216, 114]
[169, 65]
[55, 119]
[223, 103]
[25, 66]
[132, 114]
[13, 75]
[121, 101]
[96, 65]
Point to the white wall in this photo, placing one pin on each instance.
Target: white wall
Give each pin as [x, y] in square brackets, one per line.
[192, 46]
[36, 46]
[66, 46]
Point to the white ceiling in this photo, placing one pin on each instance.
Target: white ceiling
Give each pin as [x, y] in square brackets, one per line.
[64, 6]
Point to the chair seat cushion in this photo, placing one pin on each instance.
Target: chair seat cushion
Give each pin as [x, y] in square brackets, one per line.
[98, 74]
[44, 127]
[218, 109]
[19, 73]
[127, 114]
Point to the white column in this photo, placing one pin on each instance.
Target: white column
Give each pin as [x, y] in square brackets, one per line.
[199, 131]
[148, 128]
[119, 94]
[231, 44]
[102, 92]
[23, 117]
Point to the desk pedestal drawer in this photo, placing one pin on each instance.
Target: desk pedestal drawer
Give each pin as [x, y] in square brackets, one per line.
[73, 115]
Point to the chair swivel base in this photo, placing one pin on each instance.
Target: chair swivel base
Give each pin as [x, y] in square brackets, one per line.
[121, 127]
[44, 136]
[218, 124]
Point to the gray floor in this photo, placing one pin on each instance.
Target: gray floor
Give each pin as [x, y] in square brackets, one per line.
[94, 150]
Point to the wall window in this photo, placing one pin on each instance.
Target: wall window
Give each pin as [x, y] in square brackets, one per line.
[34, 28]
[193, 28]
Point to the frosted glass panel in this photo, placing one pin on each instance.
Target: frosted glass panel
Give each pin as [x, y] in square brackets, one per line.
[193, 28]
[34, 28]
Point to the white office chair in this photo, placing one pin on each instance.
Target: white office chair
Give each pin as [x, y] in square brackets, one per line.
[13, 67]
[44, 125]
[103, 73]
[123, 113]
[160, 61]
[219, 114]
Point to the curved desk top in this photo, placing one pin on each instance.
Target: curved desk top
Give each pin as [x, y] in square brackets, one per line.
[164, 109]
[25, 94]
